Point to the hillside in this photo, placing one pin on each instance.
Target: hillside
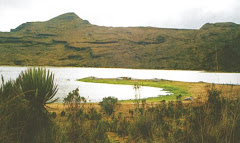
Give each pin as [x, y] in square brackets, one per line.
[67, 40]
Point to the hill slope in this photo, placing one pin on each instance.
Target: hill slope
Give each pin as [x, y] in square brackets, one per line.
[67, 40]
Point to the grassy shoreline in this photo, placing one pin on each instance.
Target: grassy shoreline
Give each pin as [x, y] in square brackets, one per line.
[186, 89]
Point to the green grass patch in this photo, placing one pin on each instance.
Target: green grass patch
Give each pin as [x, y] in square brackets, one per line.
[174, 87]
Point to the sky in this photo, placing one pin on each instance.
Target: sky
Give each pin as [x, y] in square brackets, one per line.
[181, 14]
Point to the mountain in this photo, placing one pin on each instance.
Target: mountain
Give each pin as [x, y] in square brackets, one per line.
[67, 40]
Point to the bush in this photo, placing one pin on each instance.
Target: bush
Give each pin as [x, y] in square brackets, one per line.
[74, 98]
[123, 127]
[63, 113]
[94, 115]
[108, 105]
[54, 115]
[99, 133]
[179, 97]
[141, 128]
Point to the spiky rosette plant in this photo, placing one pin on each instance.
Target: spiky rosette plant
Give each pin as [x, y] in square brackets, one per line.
[38, 87]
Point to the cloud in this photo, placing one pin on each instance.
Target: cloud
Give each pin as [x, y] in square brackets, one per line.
[15, 4]
[157, 13]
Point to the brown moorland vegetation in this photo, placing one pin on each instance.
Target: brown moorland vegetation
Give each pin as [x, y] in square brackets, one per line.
[67, 40]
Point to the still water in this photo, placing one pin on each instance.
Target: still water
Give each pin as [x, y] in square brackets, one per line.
[66, 80]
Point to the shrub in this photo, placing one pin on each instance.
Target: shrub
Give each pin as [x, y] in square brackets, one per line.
[54, 115]
[74, 98]
[94, 115]
[123, 127]
[109, 104]
[141, 128]
[179, 97]
[119, 115]
[131, 112]
[99, 133]
[63, 113]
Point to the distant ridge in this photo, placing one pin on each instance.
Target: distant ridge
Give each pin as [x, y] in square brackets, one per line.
[68, 40]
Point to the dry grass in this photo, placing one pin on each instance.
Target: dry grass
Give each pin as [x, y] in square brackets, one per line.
[197, 90]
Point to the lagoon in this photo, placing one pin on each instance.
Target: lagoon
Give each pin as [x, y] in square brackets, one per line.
[66, 78]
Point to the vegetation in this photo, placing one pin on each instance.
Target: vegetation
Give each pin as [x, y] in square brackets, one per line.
[212, 118]
[109, 105]
[179, 89]
[63, 113]
[210, 121]
[24, 117]
[85, 125]
[71, 41]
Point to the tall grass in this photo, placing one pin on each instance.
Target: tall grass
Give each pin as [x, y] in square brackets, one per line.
[12, 110]
[216, 120]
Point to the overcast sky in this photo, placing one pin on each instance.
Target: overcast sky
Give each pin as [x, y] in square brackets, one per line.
[187, 14]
